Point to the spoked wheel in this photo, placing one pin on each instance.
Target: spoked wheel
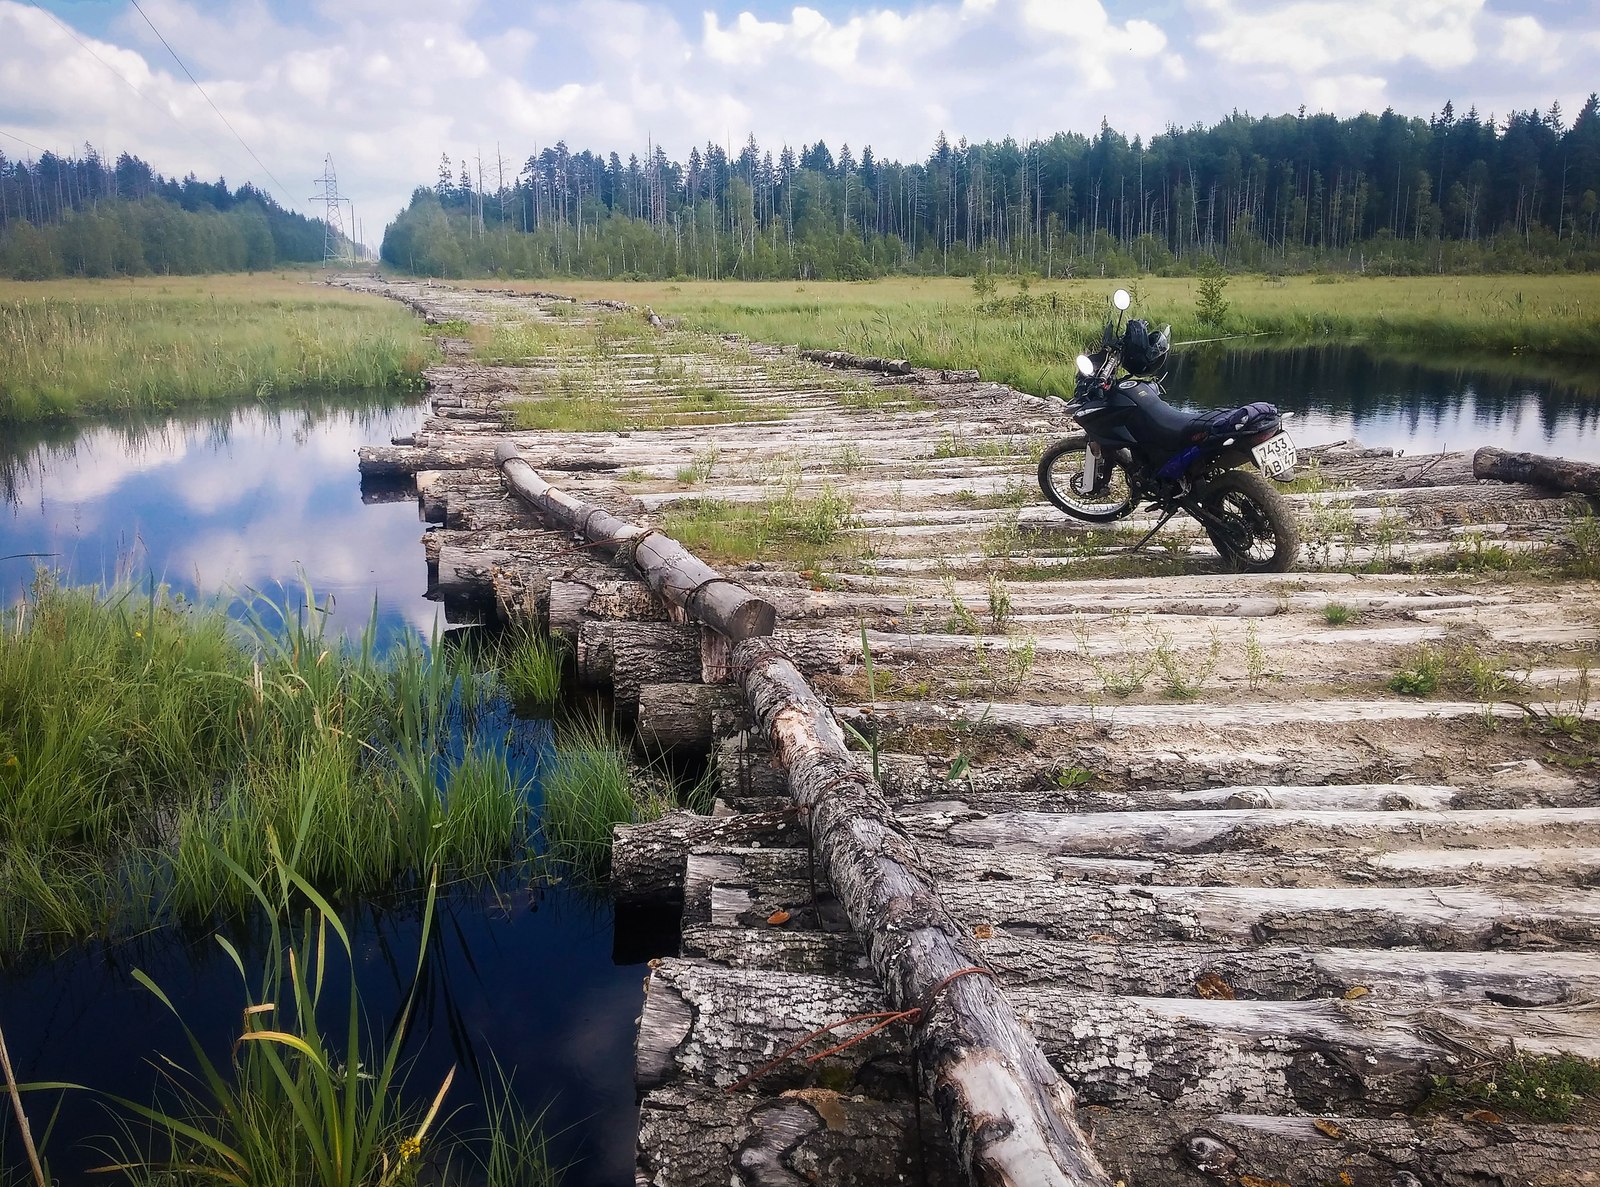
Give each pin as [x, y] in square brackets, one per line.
[1061, 478]
[1249, 523]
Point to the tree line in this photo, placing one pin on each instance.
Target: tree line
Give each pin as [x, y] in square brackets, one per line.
[1385, 193]
[79, 216]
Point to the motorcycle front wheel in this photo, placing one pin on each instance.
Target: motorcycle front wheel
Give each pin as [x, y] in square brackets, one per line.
[1250, 524]
[1061, 479]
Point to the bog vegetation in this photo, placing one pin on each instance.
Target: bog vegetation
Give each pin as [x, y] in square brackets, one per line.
[69, 349]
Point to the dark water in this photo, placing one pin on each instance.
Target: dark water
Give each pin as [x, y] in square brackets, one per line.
[538, 980]
[1420, 406]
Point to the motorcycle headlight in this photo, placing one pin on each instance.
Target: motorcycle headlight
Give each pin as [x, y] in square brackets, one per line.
[1085, 366]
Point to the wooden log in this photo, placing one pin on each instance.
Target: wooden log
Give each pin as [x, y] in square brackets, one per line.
[628, 655]
[690, 1136]
[1359, 1057]
[1211, 830]
[682, 716]
[647, 860]
[1538, 469]
[1516, 979]
[670, 569]
[576, 601]
[1009, 1115]
[404, 460]
[740, 888]
[856, 362]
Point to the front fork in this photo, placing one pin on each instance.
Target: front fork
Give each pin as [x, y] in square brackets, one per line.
[1090, 478]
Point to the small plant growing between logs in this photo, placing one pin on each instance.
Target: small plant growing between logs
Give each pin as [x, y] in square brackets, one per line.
[589, 788]
[1582, 542]
[1337, 614]
[1184, 681]
[869, 742]
[1419, 676]
[1535, 1087]
[999, 603]
[1257, 671]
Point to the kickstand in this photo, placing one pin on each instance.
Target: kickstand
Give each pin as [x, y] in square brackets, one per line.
[1150, 535]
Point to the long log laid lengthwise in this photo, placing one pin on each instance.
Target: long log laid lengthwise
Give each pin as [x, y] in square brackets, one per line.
[1011, 1115]
[1557, 472]
[840, 358]
[670, 569]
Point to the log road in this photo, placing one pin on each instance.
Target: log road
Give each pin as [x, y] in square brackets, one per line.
[1240, 912]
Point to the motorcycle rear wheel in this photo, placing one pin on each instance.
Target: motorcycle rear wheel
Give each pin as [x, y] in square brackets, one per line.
[1249, 523]
[1060, 468]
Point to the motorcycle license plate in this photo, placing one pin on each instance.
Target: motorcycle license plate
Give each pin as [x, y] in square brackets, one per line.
[1276, 455]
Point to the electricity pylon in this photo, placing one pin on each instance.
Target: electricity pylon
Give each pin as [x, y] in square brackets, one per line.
[337, 247]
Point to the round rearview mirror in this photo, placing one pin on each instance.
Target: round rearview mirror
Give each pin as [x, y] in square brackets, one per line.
[1085, 365]
[1121, 299]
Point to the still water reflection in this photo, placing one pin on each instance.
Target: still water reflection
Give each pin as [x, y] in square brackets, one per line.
[529, 978]
[256, 499]
[1420, 406]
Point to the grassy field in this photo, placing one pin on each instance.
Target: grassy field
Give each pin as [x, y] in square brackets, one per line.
[1029, 337]
[73, 348]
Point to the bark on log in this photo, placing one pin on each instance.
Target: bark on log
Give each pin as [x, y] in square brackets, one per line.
[690, 1136]
[670, 569]
[1204, 830]
[683, 716]
[744, 888]
[1558, 473]
[575, 602]
[1176, 969]
[841, 358]
[403, 460]
[700, 1134]
[1009, 1115]
[647, 860]
[629, 655]
[1361, 1057]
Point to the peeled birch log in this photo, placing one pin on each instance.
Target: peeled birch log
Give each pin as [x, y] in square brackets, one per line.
[721, 1024]
[675, 716]
[647, 860]
[671, 570]
[1010, 1116]
[1178, 969]
[1540, 470]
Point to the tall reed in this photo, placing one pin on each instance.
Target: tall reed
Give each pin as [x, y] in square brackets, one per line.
[589, 787]
[143, 740]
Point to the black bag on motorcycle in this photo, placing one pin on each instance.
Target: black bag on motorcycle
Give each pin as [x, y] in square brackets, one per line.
[1245, 421]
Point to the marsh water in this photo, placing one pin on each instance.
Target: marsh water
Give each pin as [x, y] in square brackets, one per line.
[542, 982]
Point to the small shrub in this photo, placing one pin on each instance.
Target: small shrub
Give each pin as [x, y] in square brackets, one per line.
[1210, 306]
[1337, 614]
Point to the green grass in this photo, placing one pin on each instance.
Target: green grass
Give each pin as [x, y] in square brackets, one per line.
[589, 787]
[1535, 1087]
[1030, 340]
[1338, 614]
[787, 525]
[533, 670]
[93, 347]
[143, 741]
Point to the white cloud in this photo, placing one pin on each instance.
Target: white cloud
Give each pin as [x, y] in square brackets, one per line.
[386, 86]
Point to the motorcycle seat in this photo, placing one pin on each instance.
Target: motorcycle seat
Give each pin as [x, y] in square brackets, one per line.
[1170, 428]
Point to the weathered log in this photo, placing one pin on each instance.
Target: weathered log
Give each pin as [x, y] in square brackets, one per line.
[693, 1137]
[574, 602]
[671, 570]
[701, 1132]
[1211, 830]
[1558, 473]
[1357, 1056]
[1177, 969]
[627, 656]
[674, 716]
[743, 888]
[400, 460]
[856, 362]
[1009, 1115]
[647, 860]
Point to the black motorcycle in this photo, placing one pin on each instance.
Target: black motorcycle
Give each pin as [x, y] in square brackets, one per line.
[1136, 448]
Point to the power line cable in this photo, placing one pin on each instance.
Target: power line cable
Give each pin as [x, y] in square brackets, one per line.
[281, 187]
[20, 140]
[126, 81]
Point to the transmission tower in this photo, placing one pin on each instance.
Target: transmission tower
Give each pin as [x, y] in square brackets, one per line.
[337, 247]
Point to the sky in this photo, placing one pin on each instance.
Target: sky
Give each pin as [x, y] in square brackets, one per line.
[388, 86]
